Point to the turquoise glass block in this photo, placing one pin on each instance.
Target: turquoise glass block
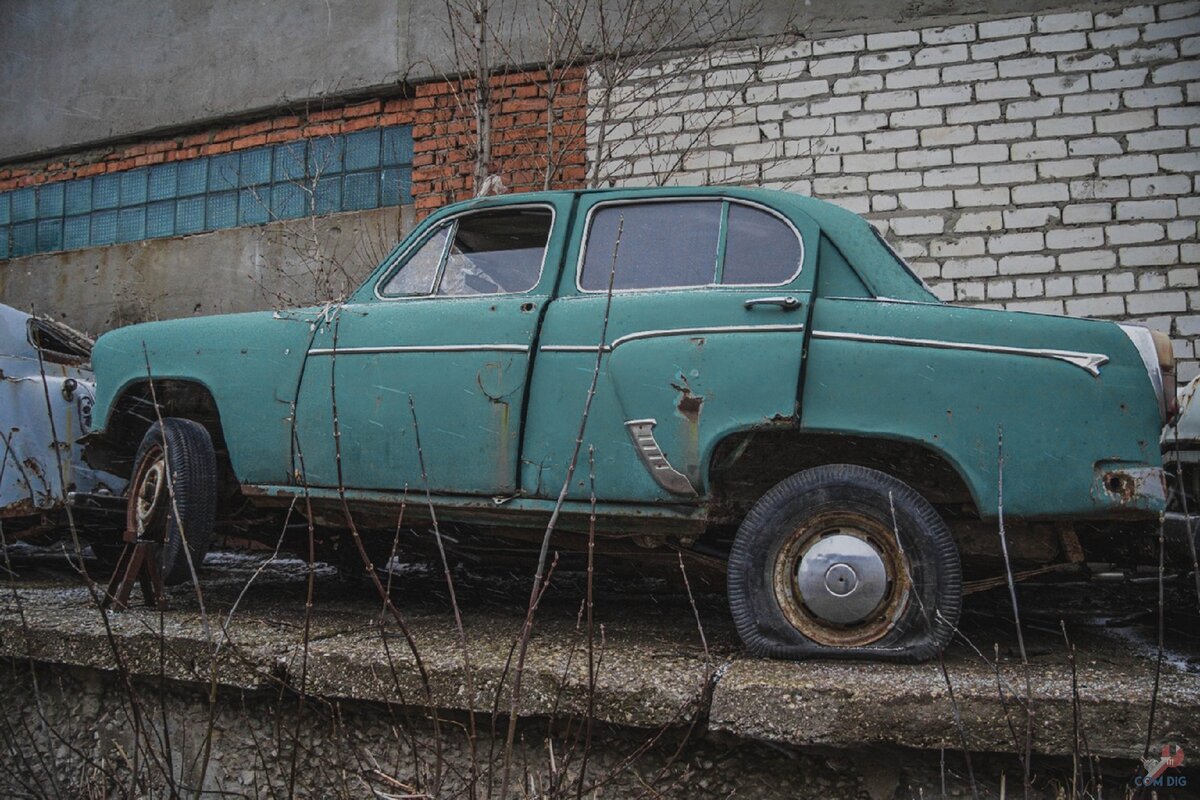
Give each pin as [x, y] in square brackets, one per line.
[76, 232]
[3, 243]
[163, 183]
[104, 227]
[256, 167]
[289, 161]
[396, 186]
[49, 235]
[24, 239]
[193, 177]
[79, 197]
[329, 195]
[361, 190]
[254, 206]
[325, 155]
[223, 172]
[133, 188]
[362, 150]
[288, 201]
[222, 210]
[106, 191]
[50, 200]
[160, 219]
[5, 215]
[24, 204]
[131, 224]
[397, 146]
[189, 215]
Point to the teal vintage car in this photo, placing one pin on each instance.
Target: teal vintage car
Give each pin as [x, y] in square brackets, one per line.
[776, 393]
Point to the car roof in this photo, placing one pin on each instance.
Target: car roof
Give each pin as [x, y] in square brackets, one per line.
[833, 219]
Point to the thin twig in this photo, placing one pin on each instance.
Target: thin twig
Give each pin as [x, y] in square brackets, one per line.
[535, 591]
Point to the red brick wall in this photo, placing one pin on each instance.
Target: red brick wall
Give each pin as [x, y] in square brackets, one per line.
[443, 138]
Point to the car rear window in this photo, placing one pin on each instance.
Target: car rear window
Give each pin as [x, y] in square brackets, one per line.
[662, 245]
[687, 243]
[760, 248]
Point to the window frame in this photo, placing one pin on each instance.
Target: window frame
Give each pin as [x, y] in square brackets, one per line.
[722, 242]
[400, 261]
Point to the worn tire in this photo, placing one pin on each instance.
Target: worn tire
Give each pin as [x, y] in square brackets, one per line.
[923, 573]
[192, 465]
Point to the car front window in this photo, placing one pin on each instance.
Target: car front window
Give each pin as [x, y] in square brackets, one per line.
[488, 252]
[497, 252]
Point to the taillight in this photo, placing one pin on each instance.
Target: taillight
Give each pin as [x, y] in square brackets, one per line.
[1166, 366]
[1155, 349]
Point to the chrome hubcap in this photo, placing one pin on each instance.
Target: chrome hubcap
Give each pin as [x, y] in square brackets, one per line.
[842, 579]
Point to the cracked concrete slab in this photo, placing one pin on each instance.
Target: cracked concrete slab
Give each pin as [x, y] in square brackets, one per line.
[655, 668]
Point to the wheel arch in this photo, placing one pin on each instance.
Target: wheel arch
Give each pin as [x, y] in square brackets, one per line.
[744, 465]
[134, 410]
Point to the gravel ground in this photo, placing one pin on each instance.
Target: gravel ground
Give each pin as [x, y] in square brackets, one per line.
[677, 710]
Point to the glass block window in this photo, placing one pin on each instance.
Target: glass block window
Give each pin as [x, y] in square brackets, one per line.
[350, 172]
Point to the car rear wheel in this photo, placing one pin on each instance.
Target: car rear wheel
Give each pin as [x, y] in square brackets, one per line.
[843, 561]
[173, 495]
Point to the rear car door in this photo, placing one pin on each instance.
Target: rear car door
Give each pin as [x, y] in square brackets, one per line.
[448, 323]
[705, 337]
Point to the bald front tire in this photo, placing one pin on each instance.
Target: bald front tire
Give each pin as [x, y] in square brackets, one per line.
[921, 606]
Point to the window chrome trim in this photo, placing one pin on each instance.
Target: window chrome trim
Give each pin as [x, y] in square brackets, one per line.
[419, 348]
[587, 232]
[655, 334]
[401, 260]
[1089, 362]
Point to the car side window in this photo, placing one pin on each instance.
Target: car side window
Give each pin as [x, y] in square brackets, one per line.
[496, 252]
[688, 243]
[663, 245]
[488, 252]
[419, 272]
[760, 248]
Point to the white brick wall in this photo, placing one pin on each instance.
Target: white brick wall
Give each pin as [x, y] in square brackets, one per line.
[1046, 163]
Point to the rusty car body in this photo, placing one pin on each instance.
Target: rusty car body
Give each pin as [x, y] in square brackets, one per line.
[775, 390]
[46, 401]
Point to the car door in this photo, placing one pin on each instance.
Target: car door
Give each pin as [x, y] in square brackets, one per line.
[705, 337]
[447, 325]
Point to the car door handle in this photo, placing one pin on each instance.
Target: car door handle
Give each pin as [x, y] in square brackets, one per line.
[787, 303]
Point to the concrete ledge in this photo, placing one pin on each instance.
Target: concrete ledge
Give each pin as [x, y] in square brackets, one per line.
[653, 672]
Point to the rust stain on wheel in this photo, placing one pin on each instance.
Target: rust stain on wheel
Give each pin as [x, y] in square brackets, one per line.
[841, 579]
[149, 497]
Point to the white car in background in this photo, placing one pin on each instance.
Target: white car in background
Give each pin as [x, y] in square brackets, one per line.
[46, 397]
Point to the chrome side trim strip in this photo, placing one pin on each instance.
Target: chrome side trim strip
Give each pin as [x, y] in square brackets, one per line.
[419, 348]
[1089, 362]
[654, 334]
[641, 431]
[571, 348]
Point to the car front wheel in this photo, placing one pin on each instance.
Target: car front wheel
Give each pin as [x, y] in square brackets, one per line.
[173, 495]
[844, 561]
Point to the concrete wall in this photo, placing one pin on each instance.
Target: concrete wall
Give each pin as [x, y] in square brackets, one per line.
[283, 264]
[1042, 163]
[74, 73]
